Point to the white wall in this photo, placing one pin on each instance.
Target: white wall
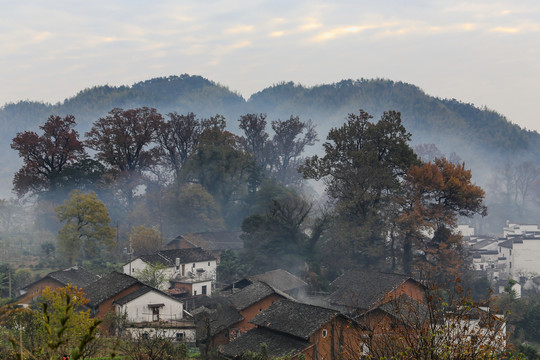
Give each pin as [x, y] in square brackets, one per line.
[197, 288]
[138, 311]
[170, 333]
[526, 258]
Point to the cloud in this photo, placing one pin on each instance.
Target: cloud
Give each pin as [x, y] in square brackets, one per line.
[240, 29]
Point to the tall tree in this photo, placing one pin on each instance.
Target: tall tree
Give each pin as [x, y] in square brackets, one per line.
[46, 156]
[221, 166]
[255, 136]
[289, 142]
[439, 192]
[145, 240]
[281, 231]
[124, 140]
[178, 138]
[363, 168]
[86, 227]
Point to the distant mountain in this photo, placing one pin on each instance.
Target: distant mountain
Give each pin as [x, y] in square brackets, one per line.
[483, 138]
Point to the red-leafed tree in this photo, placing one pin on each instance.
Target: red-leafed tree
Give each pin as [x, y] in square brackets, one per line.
[124, 140]
[46, 156]
[178, 139]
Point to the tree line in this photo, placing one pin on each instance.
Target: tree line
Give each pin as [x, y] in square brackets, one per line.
[386, 208]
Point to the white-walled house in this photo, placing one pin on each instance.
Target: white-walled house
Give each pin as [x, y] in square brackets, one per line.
[519, 258]
[149, 311]
[193, 269]
[515, 229]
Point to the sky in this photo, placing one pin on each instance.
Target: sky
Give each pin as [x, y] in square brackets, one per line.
[482, 52]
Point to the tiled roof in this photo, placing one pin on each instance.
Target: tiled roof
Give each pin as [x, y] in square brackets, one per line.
[216, 240]
[140, 292]
[219, 314]
[280, 279]
[133, 295]
[107, 287]
[405, 309]
[168, 257]
[252, 294]
[278, 345]
[363, 289]
[294, 318]
[75, 275]
[507, 244]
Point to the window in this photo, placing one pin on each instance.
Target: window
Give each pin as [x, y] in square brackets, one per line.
[155, 314]
[194, 292]
[145, 335]
[324, 333]
[179, 336]
[510, 264]
[204, 290]
[193, 266]
[209, 263]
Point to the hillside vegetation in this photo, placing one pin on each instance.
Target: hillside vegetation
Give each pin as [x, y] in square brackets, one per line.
[481, 137]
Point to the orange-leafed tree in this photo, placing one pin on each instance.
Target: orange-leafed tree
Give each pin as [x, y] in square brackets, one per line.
[438, 193]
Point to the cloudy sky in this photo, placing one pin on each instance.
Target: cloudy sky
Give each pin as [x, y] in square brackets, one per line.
[481, 52]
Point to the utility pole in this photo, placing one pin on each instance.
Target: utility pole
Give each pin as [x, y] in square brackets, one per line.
[9, 277]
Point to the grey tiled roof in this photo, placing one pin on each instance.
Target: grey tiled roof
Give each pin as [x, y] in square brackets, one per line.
[75, 275]
[507, 244]
[363, 289]
[219, 314]
[168, 257]
[107, 287]
[280, 279]
[253, 293]
[278, 345]
[140, 292]
[216, 240]
[133, 295]
[294, 318]
[406, 310]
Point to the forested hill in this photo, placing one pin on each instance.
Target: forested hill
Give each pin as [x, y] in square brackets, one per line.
[481, 137]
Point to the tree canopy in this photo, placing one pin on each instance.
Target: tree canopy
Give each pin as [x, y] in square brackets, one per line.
[46, 156]
[86, 226]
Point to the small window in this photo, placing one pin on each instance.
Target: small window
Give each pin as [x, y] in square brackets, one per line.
[193, 265]
[510, 264]
[209, 263]
[145, 335]
[179, 336]
[194, 292]
[324, 333]
[204, 290]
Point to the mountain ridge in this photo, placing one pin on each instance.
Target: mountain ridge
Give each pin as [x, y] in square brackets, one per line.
[481, 137]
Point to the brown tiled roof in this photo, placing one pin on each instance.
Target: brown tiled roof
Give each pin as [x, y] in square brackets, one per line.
[294, 318]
